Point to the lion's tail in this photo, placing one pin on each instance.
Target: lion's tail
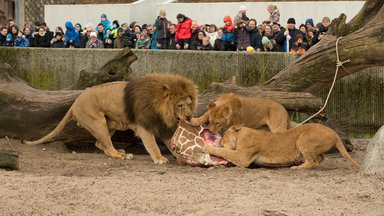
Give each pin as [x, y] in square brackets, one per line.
[55, 131]
[343, 151]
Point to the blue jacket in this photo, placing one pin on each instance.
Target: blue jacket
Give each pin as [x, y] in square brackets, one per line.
[22, 42]
[71, 33]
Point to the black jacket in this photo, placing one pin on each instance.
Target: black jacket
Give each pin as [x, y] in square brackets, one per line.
[171, 44]
[219, 45]
[255, 39]
[161, 28]
[42, 41]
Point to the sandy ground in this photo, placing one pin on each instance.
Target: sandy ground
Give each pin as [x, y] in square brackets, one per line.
[53, 180]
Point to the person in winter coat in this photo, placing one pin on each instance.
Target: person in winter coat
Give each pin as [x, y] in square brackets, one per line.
[206, 44]
[21, 40]
[41, 39]
[322, 30]
[9, 41]
[3, 36]
[58, 42]
[129, 38]
[171, 43]
[115, 27]
[241, 15]
[299, 46]
[183, 31]
[72, 38]
[28, 35]
[241, 36]
[274, 14]
[219, 44]
[118, 44]
[290, 33]
[143, 42]
[255, 37]
[162, 32]
[196, 44]
[94, 42]
[105, 22]
[229, 44]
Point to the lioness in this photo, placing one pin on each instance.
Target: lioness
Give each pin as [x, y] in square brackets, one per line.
[151, 105]
[243, 146]
[230, 109]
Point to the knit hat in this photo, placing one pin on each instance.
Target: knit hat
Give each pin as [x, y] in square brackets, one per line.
[265, 40]
[243, 8]
[119, 30]
[116, 22]
[37, 23]
[9, 36]
[93, 34]
[310, 21]
[104, 16]
[291, 20]
[144, 26]
[298, 36]
[250, 49]
[302, 26]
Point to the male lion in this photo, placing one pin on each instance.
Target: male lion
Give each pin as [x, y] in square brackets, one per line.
[151, 105]
[243, 146]
[230, 109]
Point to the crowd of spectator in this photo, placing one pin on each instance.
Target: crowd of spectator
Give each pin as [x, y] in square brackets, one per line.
[243, 34]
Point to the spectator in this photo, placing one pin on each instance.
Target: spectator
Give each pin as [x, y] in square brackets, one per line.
[229, 44]
[197, 44]
[171, 44]
[72, 38]
[241, 15]
[41, 39]
[194, 34]
[3, 36]
[150, 30]
[109, 42]
[21, 40]
[260, 29]
[290, 33]
[59, 29]
[255, 36]
[13, 31]
[212, 34]
[144, 29]
[162, 33]
[143, 42]
[85, 37]
[219, 44]
[128, 38]
[28, 25]
[115, 27]
[268, 32]
[153, 38]
[322, 30]
[79, 28]
[36, 26]
[309, 36]
[183, 31]
[309, 22]
[105, 22]
[94, 42]
[9, 41]
[303, 29]
[118, 41]
[299, 46]
[277, 47]
[242, 36]
[206, 44]
[27, 33]
[133, 25]
[100, 32]
[57, 41]
[48, 32]
[274, 14]
[267, 44]
[137, 29]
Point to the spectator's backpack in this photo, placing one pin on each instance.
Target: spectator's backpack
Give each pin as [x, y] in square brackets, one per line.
[227, 35]
[127, 39]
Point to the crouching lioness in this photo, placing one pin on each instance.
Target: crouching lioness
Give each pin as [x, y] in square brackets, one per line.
[243, 146]
[230, 109]
[151, 105]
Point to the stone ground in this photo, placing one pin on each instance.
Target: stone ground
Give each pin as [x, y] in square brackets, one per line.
[53, 180]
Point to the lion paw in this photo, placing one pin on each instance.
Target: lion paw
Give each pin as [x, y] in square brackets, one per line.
[121, 151]
[161, 160]
[128, 156]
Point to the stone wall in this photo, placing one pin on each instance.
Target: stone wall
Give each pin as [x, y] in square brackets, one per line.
[356, 104]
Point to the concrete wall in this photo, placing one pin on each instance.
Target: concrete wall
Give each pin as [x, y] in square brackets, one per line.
[146, 11]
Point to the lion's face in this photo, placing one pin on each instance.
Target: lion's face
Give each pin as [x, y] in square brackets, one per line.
[219, 118]
[230, 138]
[184, 109]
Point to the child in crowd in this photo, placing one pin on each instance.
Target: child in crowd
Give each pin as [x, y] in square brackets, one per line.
[219, 44]
[21, 40]
[9, 41]
[162, 32]
[183, 31]
[299, 46]
[143, 42]
[227, 37]
[241, 36]
[58, 42]
[206, 44]
[106, 23]
[274, 14]
[267, 44]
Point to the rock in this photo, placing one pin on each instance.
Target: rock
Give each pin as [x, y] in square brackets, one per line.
[374, 158]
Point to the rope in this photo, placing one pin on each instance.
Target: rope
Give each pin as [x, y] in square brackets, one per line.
[338, 64]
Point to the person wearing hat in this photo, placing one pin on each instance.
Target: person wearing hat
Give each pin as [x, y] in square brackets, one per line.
[106, 23]
[144, 42]
[9, 41]
[57, 41]
[94, 42]
[72, 37]
[290, 33]
[118, 44]
[299, 46]
[241, 15]
[267, 44]
[115, 27]
[21, 40]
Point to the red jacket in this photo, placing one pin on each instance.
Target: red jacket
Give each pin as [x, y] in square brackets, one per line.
[183, 30]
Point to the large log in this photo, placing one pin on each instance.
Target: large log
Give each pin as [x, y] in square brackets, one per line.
[362, 43]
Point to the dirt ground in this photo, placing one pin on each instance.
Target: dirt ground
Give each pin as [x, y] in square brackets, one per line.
[53, 180]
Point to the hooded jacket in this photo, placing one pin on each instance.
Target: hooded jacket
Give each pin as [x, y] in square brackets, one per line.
[183, 29]
[161, 28]
[22, 42]
[143, 44]
[71, 33]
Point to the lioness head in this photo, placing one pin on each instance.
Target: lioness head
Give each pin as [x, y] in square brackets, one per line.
[229, 139]
[219, 117]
